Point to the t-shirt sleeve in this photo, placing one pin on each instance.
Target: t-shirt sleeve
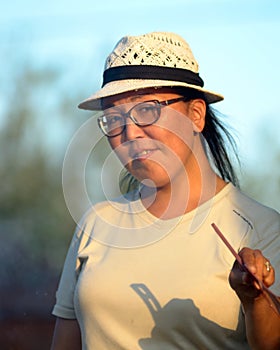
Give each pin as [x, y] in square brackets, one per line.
[64, 306]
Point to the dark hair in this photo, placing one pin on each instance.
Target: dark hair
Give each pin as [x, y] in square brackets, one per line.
[219, 143]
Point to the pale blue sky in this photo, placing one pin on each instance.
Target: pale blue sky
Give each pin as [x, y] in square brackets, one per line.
[236, 43]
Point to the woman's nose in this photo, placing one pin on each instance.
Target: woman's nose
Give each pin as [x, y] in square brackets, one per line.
[132, 131]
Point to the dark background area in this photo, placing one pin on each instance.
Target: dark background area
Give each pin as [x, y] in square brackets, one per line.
[35, 225]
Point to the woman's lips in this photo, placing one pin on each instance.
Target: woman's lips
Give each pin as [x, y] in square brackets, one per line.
[142, 154]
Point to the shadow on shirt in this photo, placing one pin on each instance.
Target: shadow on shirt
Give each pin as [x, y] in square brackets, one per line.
[179, 325]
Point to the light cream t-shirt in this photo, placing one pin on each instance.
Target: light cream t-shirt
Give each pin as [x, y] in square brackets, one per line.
[136, 282]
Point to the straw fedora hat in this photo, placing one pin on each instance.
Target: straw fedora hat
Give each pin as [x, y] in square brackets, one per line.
[156, 59]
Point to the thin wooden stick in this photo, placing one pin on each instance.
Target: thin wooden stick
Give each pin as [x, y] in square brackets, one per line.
[271, 298]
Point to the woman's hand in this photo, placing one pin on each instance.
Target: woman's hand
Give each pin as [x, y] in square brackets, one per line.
[262, 322]
[244, 284]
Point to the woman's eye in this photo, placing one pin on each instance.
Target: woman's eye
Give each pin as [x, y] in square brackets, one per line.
[113, 119]
[146, 109]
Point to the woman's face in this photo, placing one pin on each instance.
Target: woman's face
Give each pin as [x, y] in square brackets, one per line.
[164, 151]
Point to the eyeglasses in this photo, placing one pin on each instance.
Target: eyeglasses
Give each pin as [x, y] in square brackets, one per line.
[142, 114]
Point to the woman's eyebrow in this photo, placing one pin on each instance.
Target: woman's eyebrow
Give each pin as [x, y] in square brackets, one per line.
[134, 98]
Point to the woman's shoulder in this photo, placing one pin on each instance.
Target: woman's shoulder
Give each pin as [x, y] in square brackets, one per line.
[260, 215]
[248, 203]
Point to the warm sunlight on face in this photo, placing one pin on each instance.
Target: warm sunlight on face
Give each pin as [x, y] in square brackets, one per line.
[161, 152]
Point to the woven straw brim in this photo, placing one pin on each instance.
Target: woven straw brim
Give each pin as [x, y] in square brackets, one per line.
[118, 87]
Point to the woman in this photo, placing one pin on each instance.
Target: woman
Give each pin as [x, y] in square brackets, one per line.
[147, 271]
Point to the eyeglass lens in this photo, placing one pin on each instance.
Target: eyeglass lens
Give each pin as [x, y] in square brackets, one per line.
[142, 114]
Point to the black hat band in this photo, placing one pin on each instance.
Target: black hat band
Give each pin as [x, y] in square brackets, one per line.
[151, 72]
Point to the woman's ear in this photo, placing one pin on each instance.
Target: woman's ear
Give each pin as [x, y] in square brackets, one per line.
[197, 111]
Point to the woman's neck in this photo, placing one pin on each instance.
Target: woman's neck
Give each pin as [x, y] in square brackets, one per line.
[184, 193]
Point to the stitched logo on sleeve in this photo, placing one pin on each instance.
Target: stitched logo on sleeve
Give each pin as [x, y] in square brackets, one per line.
[245, 219]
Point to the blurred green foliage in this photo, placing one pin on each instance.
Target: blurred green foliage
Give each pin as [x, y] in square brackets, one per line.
[35, 225]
